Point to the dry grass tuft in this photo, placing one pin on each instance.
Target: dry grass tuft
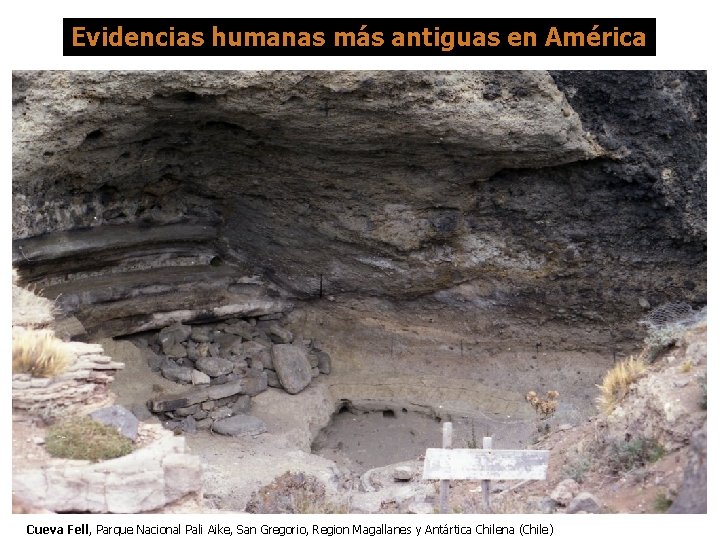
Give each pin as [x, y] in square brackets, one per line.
[39, 353]
[29, 309]
[617, 381]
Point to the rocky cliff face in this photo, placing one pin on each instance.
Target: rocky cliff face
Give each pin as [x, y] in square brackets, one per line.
[571, 198]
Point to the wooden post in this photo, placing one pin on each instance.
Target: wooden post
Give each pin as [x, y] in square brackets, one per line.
[487, 445]
[445, 484]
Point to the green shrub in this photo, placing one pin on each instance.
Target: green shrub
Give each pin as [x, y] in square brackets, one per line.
[83, 438]
[578, 467]
[662, 503]
[625, 456]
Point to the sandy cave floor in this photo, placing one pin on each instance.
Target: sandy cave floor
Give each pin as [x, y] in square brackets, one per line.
[353, 442]
[304, 436]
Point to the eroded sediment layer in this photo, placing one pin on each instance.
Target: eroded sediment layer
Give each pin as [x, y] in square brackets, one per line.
[571, 198]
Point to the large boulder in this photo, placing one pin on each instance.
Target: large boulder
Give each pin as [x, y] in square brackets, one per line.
[292, 367]
[692, 495]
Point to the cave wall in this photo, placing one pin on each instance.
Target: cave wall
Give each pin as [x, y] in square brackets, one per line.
[657, 122]
[570, 197]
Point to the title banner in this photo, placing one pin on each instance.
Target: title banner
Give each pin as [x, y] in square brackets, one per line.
[358, 37]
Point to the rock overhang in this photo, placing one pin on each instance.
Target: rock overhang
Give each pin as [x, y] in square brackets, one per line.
[394, 184]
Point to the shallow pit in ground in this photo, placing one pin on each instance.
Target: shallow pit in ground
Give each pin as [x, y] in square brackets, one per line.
[359, 440]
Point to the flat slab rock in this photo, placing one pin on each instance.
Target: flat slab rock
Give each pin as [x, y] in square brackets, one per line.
[119, 417]
[292, 367]
[214, 367]
[238, 425]
[181, 374]
[201, 393]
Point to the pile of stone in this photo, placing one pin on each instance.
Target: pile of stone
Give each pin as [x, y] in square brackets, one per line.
[227, 363]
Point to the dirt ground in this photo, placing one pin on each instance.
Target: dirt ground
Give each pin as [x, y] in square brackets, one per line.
[393, 394]
[582, 451]
[397, 377]
[364, 440]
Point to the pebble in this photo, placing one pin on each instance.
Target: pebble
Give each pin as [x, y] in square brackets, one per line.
[402, 473]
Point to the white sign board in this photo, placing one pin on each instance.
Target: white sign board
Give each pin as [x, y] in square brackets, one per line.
[478, 464]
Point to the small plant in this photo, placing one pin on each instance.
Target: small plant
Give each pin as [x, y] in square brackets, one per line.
[629, 455]
[295, 493]
[616, 383]
[544, 407]
[659, 339]
[686, 366]
[577, 468]
[662, 503]
[82, 437]
[472, 443]
[39, 353]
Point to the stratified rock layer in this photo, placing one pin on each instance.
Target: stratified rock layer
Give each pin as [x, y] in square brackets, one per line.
[522, 195]
[84, 383]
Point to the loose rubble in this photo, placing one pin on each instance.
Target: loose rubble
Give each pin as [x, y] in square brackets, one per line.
[226, 363]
